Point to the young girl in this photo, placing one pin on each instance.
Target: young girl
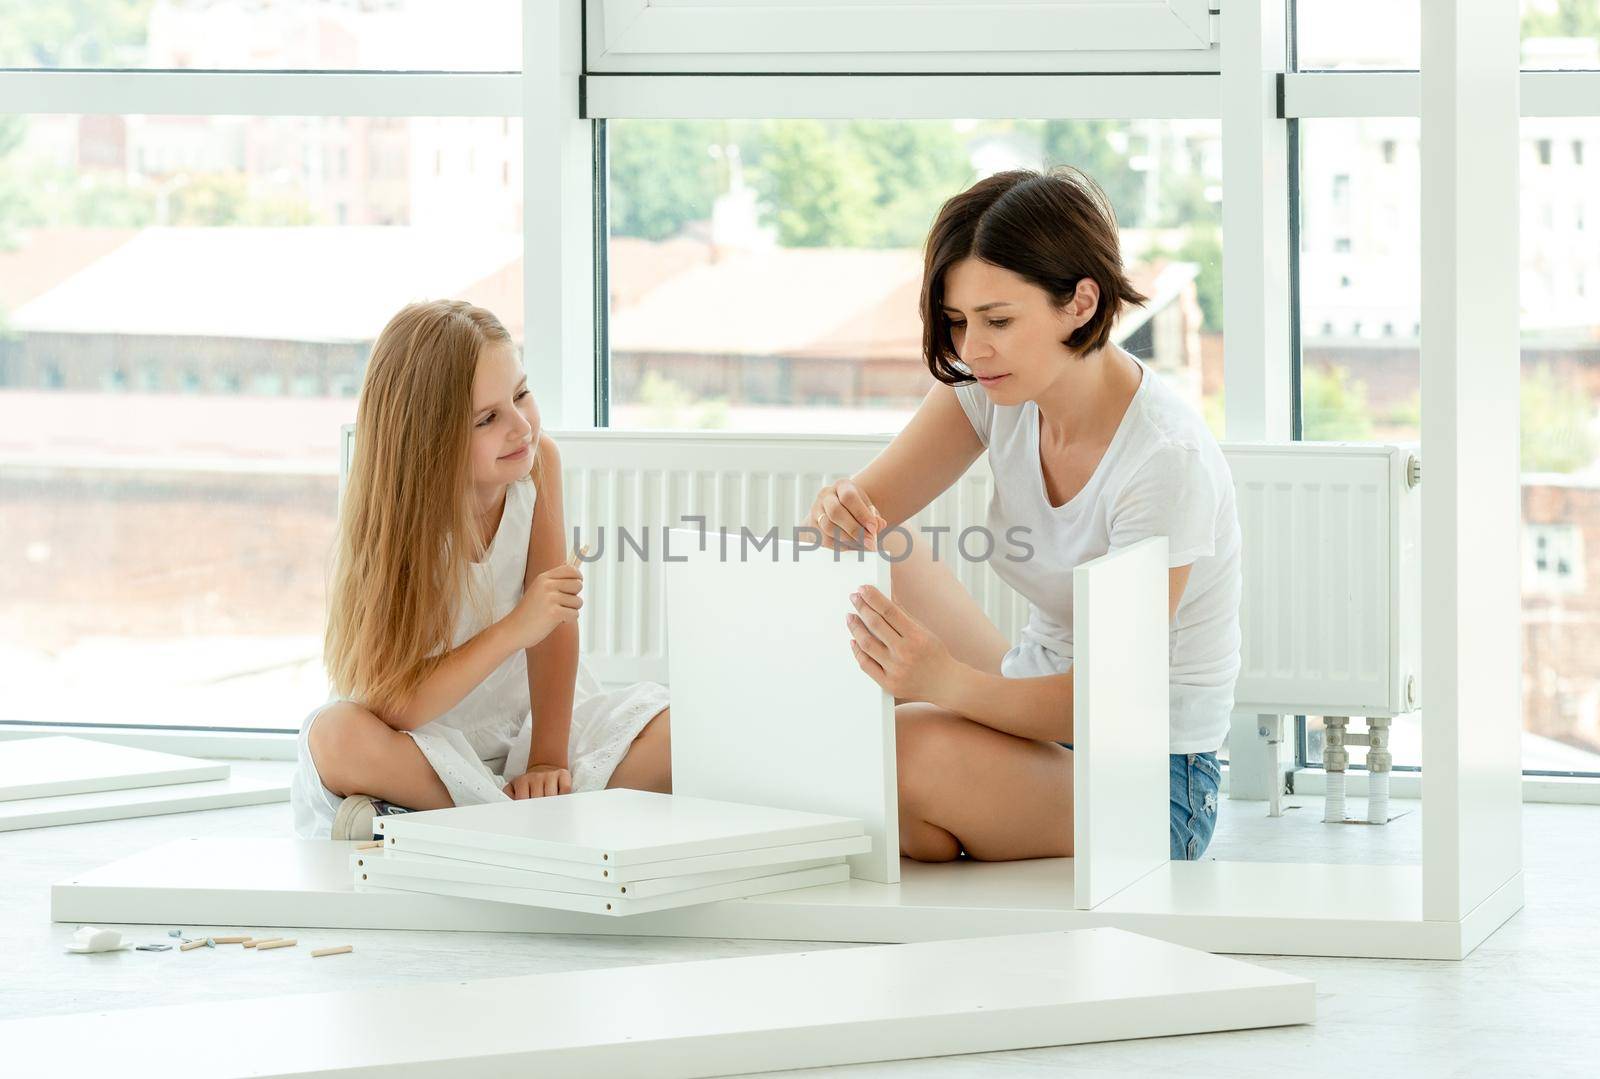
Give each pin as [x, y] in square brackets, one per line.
[452, 639]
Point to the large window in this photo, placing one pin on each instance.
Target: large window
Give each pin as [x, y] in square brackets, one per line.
[764, 275]
[186, 306]
[1360, 326]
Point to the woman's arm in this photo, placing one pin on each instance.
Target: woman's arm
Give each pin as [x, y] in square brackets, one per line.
[930, 453]
[911, 663]
[553, 662]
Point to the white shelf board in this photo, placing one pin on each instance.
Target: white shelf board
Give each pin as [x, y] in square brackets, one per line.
[454, 869]
[283, 883]
[803, 1009]
[140, 802]
[762, 856]
[733, 738]
[57, 766]
[615, 827]
[377, 876]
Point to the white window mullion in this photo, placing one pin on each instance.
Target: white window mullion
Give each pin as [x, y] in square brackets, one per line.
[261, 93]
[903, 97]
[558, 215]
[1342, 94]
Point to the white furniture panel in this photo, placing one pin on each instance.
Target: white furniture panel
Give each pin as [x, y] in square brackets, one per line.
[768, 703]
[378, 874]
[433, 867]
[1248, 907]
[140, 802]
[614, 828]
[50, 767]
[604, 873]
[715, 1017]
[1119, 719]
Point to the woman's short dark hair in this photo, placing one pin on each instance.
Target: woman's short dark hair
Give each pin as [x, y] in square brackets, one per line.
[1051, 228]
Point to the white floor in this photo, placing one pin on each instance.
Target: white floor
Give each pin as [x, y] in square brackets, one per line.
[1523, 1004]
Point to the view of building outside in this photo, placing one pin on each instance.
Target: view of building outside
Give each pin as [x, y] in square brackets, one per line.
[186, 305]
[765, 275]
[1361, 327]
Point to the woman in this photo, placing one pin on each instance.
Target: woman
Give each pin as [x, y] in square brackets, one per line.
[1090, 452]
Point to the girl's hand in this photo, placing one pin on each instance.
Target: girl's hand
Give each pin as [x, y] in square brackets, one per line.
[553, 599]
[846, 518]
[540, 781]
[896, 651]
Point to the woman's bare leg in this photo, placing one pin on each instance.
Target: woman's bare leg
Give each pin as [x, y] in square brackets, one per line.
[647, 766]
[357, 753]
[967, 787]
[930, 592]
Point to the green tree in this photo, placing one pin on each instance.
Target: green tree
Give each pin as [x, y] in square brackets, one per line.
[1571, 18]
[816, 188]
[1088, 145]
[914, 166]
[73, 33]
[1333, 405]
[1202, 245]
[1557, 432]
[662, 176]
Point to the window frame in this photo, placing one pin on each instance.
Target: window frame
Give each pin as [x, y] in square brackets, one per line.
[575, 76]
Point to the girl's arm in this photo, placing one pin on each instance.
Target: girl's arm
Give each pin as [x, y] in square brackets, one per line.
[458, 673]
[553, 662]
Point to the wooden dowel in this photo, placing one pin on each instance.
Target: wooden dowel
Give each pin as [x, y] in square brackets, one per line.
[266, 944]
[191, 945]
[229, 940]
[340, 950]
[369, 846]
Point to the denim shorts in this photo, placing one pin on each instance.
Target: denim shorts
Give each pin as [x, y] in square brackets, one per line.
[1196, 787]
[1196, 777]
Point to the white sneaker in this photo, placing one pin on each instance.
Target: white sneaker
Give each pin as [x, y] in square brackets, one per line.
[353, 820]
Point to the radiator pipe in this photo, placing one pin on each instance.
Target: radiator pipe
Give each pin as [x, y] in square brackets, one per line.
[1379, 763]
[1335, 759]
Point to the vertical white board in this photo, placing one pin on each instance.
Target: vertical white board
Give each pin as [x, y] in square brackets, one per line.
[768, 704]
[58, 766]
[1119, 720]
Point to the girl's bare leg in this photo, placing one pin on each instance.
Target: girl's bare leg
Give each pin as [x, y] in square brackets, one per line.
[967, 787]
[930, 592]
[647, 766]
[357, 753]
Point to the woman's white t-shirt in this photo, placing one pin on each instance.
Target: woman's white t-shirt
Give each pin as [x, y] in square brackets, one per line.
[1162, 475]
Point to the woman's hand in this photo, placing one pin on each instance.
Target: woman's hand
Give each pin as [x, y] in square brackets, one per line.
[540, 781]
[896, 651]
[553, 599]
[846, 517]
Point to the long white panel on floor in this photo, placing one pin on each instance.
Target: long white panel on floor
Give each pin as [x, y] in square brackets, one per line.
[714, 1017]
[768, 703]
[1120, 712]
[1243, 907]
[754, 859]
[55, 766]
[430, 867]
[614, 827]
[377, 875]
[142, 802]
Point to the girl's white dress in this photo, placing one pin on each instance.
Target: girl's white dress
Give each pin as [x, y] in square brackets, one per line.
[488, 732]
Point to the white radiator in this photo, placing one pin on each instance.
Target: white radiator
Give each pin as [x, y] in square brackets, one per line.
[1330, 607]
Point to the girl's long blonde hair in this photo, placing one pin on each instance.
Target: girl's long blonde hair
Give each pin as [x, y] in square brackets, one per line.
[407, 525]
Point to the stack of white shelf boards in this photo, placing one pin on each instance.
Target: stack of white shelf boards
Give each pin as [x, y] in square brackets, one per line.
[610, 852]
[62, 780]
